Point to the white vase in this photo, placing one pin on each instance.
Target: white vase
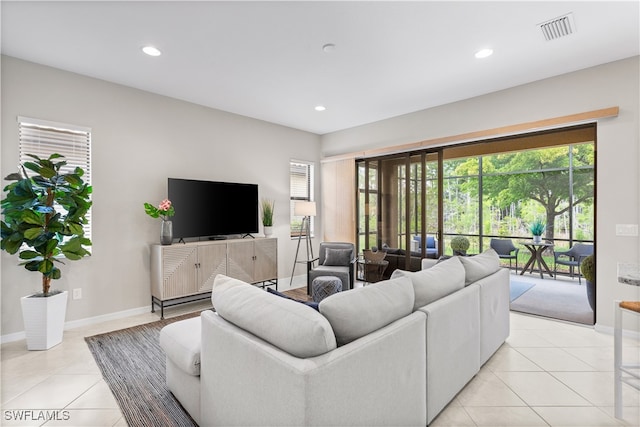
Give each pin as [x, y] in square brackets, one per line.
[44, 320]
[537, 239]
[268, 230]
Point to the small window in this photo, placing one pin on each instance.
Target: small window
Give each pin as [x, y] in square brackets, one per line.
[43, 138]
[301, 178]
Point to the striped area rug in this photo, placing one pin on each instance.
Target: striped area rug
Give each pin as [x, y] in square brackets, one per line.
[133, 365]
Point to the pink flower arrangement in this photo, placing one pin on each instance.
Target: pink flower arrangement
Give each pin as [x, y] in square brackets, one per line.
[165, 205]
[164, 210]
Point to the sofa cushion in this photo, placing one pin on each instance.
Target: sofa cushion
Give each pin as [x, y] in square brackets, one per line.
[436, 282]
[360, 311]
[337, 257]
[181, 343]
[480, 266]
[286, 324]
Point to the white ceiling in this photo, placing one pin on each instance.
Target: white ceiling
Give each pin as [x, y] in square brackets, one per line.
[265, 59]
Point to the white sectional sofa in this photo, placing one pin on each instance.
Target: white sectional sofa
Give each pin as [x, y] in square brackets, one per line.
[391, 353]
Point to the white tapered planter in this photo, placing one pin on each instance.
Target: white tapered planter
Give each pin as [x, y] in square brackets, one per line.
[44, 320]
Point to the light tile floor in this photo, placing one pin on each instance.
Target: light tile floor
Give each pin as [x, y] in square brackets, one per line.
[548, 373]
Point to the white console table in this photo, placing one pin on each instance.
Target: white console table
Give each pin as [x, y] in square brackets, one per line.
[184, 272]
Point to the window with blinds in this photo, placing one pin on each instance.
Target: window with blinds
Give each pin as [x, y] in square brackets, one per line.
[301, 188]
[43, 138]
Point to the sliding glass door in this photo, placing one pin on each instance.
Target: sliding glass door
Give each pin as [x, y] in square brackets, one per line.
[398, 205]
[414, 203]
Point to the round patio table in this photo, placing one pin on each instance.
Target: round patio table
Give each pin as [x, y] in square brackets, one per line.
[536, 250]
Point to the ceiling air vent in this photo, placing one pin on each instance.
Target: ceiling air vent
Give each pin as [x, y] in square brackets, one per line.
[558, 27]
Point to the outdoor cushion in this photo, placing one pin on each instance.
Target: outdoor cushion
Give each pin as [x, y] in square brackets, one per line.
[480, 266]
[436, 282]
[360, 311]
[286, 324]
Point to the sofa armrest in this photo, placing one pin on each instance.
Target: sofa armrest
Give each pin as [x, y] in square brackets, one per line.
[343, 387]
[494, 312]
[453, 346]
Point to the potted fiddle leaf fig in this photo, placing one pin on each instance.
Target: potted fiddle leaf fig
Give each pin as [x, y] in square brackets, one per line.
[44, 210]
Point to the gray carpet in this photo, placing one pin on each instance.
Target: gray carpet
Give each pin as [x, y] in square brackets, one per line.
[557, 299]
[133, 365]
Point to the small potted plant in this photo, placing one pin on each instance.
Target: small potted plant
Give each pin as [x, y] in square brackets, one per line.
[588, 270]
[267, 216]
[460, 244]
[44, 214]
[537, 227]
[165, 210]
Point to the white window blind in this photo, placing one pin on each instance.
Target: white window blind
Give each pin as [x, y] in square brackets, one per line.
[43, 138]
[301, 188]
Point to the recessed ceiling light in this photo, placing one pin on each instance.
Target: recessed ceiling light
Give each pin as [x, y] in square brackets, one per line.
[151, 51]
[483, 53]
[320, 108]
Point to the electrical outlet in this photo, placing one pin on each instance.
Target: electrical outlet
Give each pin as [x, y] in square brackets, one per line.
[77, 293]
[627, 230]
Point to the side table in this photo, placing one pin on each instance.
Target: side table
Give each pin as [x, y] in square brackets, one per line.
[536, 250]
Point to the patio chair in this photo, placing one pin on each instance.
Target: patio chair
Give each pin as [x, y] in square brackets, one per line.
[572, 258]
[505, 250]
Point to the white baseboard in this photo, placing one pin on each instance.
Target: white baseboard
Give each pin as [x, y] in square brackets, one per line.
[17, 336]
[284, 284]
[625, 332]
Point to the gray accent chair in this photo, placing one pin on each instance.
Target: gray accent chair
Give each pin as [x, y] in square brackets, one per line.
[505, 250]
[334, 259]
[573, 258]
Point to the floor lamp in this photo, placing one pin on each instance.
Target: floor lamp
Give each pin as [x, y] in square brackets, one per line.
[306, 210]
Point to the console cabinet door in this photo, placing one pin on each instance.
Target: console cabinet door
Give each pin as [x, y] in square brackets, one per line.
[212, 260]
[266, 260]
[240, 260]
[179, 274]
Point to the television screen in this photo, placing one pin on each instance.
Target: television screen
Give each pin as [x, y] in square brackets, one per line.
[210, 208]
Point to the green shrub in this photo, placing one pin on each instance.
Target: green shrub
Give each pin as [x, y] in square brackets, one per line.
[459, 244]
[588, 268]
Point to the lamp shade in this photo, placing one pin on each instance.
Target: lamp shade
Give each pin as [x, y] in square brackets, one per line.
[304, 208]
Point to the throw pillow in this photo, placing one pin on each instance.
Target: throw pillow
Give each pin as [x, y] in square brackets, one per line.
[429, 285]
[480, 266]
[360, 311]
[286, 324]
[337, 257]
[311, 304]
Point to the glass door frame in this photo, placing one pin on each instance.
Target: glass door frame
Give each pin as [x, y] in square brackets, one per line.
[363, 218]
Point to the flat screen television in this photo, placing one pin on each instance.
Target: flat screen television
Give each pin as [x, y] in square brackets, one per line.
[212, 209]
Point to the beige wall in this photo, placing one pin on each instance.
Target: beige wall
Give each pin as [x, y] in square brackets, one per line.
[166, 137]
[618, 156]
[139, 139]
